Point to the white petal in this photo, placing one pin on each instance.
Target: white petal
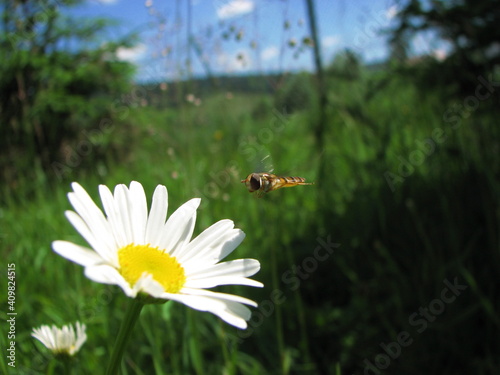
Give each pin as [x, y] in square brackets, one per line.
[157, 216]
[115, 222]
[238, 267]
[232, 241]
[45, 336]
[92, 215]
[201, 303]
[221, 280]
[138, 206]
[215, 251]
[207, 239]
[105, 274]
[221, 296]
[148, 285]
[107, 254]
[235, 314]
[231, 312]
[78, 254]
[122, 207]
[179, 227]
[82, 337]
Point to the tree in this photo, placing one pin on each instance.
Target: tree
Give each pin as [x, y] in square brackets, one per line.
[345, 65]
[57, 83]
[471, 28]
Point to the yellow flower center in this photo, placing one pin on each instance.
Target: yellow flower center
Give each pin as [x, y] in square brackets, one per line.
[136, 259]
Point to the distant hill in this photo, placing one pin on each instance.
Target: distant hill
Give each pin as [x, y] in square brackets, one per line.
[175, 92]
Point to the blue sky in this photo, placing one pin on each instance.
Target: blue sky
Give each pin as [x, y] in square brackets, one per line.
[241, 36]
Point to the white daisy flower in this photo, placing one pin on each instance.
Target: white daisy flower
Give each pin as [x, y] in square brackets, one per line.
[61, 341]
[148, 254]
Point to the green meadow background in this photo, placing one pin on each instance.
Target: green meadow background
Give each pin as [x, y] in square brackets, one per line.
[387, 265]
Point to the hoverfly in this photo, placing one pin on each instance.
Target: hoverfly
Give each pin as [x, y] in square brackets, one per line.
[263, 182]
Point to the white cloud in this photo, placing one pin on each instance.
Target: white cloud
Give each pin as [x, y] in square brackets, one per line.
[233, 8]
[440, 54]
[269, 53]
[131, 54]
[239, 61]
[392, 12]
[105, 2]
[330, 41]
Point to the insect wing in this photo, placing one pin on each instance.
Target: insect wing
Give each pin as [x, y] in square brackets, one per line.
[263, 161]
[267, 164]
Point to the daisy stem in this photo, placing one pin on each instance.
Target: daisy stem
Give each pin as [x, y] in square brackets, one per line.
[51, 367]
[67, 366]
[133, 311]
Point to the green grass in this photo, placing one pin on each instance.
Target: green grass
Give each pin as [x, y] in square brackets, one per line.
[440, 222]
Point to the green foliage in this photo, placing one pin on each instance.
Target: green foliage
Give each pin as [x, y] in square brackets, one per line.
[53, 96]
[297, 93]
[400, 237]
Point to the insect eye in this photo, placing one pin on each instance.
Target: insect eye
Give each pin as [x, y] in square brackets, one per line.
[255, 183]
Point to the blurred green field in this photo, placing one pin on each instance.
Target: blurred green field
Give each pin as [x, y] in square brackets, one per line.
[410, 197]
